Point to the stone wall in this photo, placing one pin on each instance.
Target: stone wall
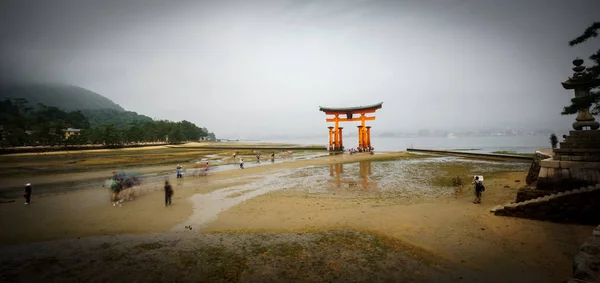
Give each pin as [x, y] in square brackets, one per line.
[581, 206]
[586, 263]
[561, 175]
[534, 169]
[575, 164]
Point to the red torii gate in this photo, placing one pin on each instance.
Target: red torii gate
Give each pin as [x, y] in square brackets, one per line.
[364, 132]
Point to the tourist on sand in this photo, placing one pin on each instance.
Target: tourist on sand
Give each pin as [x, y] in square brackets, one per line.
[27, 193]
[241, 163]
[479, 188]
[179, 172]
[206, 167]
[168, 193]
[258, 158]
[234, 155]
[273, 156]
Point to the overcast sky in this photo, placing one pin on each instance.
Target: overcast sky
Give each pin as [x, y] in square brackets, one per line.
[252, 68]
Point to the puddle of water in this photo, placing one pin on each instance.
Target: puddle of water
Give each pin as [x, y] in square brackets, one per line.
[208, 206]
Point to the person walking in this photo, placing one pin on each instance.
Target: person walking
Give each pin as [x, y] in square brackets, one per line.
[179, 171]
[479, 188]
[553, 140]
[168, 193]
[27, 193]
[241, 163]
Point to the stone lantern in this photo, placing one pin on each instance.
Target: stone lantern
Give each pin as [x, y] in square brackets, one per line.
[582, 81]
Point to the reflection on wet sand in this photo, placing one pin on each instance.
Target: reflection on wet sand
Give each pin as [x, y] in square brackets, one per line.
[336, 171]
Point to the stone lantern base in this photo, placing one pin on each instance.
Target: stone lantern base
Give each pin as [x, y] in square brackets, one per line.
[575, 164]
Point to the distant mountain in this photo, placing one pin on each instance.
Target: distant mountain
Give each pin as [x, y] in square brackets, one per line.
[98, 110]
[65, 97]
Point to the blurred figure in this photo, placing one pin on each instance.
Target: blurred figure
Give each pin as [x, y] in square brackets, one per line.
[115, 189]
[241, 163]
[27, 193]
[168, 193]
[553, 140]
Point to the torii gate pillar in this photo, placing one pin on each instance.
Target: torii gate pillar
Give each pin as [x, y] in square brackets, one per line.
[341, 143]
[368, 134]
[360, 137]
[330, 138]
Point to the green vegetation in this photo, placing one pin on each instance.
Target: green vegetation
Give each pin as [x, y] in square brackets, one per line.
[514, 153]
[117, 118]
[594, 99]
[22, 125]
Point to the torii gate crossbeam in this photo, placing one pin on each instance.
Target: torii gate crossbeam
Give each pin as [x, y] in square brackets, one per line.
[364, 131]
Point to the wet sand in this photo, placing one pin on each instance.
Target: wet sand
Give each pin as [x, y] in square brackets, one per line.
[73, 214]
[449, 239]
[452, 228]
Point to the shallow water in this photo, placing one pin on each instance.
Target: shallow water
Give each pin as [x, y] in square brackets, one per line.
[216, 165]
[408, 179]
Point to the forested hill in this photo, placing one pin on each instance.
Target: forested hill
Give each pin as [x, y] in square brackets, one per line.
[37, 114]
[119, 119]
[65, 97]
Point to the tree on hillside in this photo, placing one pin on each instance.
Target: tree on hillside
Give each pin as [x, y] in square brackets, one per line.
[44, 125]
[594, 101]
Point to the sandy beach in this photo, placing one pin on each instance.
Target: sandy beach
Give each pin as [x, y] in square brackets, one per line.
[346, 218]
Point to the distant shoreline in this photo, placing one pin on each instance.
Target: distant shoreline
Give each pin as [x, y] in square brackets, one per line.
[199, 145]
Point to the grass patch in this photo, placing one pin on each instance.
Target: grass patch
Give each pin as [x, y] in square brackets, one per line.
[444, 172]
[105, 246]
[149, 246]
[214, 264]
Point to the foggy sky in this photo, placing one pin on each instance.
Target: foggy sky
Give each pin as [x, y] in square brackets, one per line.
[252, 68]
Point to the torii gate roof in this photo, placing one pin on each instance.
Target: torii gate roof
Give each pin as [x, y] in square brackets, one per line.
[356, 109]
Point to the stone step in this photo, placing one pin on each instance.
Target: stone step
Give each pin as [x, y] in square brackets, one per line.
[595, 133]
[573, 157]
[546, 198]
[588, 137]
[580, 144]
